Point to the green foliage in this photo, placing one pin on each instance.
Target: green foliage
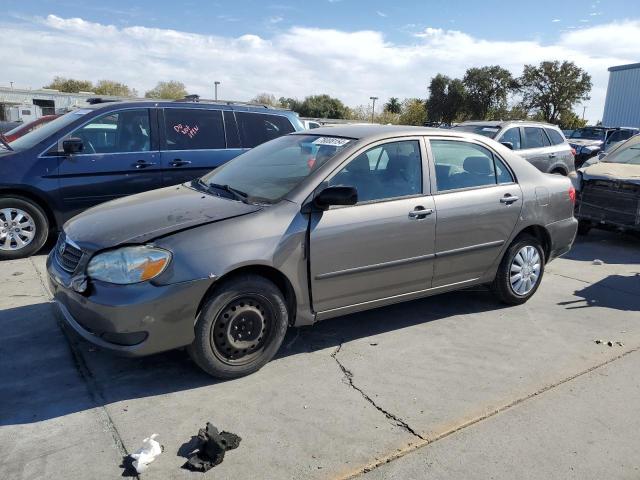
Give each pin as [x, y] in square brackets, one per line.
[447, 100]
[265, 99]
[393, 105]
[171, 90]
[413, 112]
[317, 106]
[554, 88]
[290, 103]
[570, 121]
[70, 85]
[110, 87]
[487, 89]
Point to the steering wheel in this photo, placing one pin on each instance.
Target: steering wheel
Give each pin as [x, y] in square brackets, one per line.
[89, 148]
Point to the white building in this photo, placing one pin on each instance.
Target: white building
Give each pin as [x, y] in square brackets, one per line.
[622, 105]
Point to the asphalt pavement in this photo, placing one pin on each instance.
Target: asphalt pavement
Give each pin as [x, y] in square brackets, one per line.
[454, 386]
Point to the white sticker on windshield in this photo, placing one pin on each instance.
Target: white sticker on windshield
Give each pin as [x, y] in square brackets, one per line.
[490, 129]
[333, 141]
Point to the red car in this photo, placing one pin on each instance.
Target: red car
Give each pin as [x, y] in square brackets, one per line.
[21, 130]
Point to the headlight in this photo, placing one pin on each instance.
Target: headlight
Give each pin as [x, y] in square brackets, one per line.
[129, 264]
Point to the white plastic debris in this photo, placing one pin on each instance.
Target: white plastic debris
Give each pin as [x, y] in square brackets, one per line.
[597, 261]
[146, 454]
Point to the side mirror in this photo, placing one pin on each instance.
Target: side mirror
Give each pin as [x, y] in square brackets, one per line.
[336, 196]
[509, 145]
[72, 145]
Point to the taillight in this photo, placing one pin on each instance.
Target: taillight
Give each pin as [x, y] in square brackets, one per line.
[572, 194]
[573, 151]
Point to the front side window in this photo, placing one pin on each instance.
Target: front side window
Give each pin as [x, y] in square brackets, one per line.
[257, 128]
[534, 137]
[390, 170]
[466, 165]
[193, 129]
[117, 132]
[512, 136]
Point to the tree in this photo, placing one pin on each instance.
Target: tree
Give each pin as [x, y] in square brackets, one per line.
[110, 87]
[487, 89]
[554, 88]
[322, 106]
[447, 99]
[265, 99]
[70, 85]
[413, 112]
[290, 103]
[393, 106]
[171, 90]
[570, 121]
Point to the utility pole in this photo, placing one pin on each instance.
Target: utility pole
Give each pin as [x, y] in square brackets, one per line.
[373, 108]
[584, 109]
[215, 86]
[11, 85]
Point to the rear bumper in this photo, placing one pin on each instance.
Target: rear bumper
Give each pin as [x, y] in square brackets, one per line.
[563, 234]
[131, 320]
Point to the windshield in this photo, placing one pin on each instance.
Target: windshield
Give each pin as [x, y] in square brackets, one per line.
[486, 130]
[589, 133]
[36, 136]
[628, 153]
[270, 171]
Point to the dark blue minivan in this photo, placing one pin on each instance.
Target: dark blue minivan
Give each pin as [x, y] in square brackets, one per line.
[110, 150]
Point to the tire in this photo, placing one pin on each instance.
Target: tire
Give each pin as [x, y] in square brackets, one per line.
[559, 172]
[583, 227]
[502, 284]
[33, 225]
[247, 305]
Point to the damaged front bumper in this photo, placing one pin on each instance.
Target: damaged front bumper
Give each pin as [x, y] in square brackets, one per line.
[608, 203]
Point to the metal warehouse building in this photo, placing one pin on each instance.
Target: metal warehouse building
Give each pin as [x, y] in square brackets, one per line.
[622, 105]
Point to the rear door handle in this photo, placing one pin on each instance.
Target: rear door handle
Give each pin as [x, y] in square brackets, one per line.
[509, 199]
[143, 164]
[179, 163]
[552, 155]
[420, 212]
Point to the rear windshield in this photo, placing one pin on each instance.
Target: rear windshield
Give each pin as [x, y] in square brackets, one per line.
[36, 136]
[589, 133]
[486, 130]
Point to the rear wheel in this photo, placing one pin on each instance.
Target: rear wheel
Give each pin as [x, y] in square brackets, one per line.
[520, 271]
[23, 228]
[240, 327]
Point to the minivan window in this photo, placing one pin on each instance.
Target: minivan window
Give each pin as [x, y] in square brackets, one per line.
[34, 137]
[193, 129]
[116, 132]
[555, 136]
[513, 136]
[257, 128]
[534, 137]
[270, 171]
[466, 165]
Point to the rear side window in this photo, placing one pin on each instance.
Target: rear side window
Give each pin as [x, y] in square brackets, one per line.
[534, 137]
[257, 128]
[555, 136]
[193, 129]
[513, 136]
[466, 165]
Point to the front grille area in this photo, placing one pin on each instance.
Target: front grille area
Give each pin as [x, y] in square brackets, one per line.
[612, 202]
[67, 255]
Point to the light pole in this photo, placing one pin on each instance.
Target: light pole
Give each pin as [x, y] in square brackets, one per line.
[215, 86]
[584, 109]
[11, 85]
[373, 108]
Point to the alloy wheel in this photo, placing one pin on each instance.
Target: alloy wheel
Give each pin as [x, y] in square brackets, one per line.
[525, 270]
[17, 229]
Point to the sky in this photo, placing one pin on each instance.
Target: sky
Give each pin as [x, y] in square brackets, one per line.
[350, 49]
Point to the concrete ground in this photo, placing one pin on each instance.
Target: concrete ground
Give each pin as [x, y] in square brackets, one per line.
[455, 386]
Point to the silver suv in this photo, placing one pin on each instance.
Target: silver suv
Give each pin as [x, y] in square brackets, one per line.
[542, 144]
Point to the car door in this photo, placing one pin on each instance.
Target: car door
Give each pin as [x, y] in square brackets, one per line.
[383, 246]
[477, 202]
[537, 148]
[120, 157]
[194, 142]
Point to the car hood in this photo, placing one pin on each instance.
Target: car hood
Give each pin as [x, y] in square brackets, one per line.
[612, 171]
[145, 216]
[584, 141]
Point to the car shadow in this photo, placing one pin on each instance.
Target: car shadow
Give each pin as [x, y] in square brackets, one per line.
[618, 292]
[48, 373]
[610, 247]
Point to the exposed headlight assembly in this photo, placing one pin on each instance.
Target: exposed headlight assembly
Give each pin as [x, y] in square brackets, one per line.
[128, 265]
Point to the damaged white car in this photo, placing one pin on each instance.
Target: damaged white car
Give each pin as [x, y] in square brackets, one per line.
[609, 190]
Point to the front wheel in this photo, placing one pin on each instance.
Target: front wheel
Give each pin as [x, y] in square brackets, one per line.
[240, 327]
[520, 272]
[23, 228]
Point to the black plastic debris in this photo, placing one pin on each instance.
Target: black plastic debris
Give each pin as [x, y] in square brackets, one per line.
[211, 446]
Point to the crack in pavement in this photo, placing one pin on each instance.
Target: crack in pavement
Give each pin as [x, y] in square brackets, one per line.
[349, 376]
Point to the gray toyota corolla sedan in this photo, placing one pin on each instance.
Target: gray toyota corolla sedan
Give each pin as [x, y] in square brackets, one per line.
[303, 228]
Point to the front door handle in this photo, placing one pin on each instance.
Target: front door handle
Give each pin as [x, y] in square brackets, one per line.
[552, 155]
[143, 164]
[419, 212]
[179, 162]
[509, 199]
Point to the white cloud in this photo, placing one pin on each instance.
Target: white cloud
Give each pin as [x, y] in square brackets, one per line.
[381, 14]
[294, 62]
[555, 20]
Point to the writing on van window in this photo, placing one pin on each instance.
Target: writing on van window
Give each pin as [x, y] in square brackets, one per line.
[186, 130]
